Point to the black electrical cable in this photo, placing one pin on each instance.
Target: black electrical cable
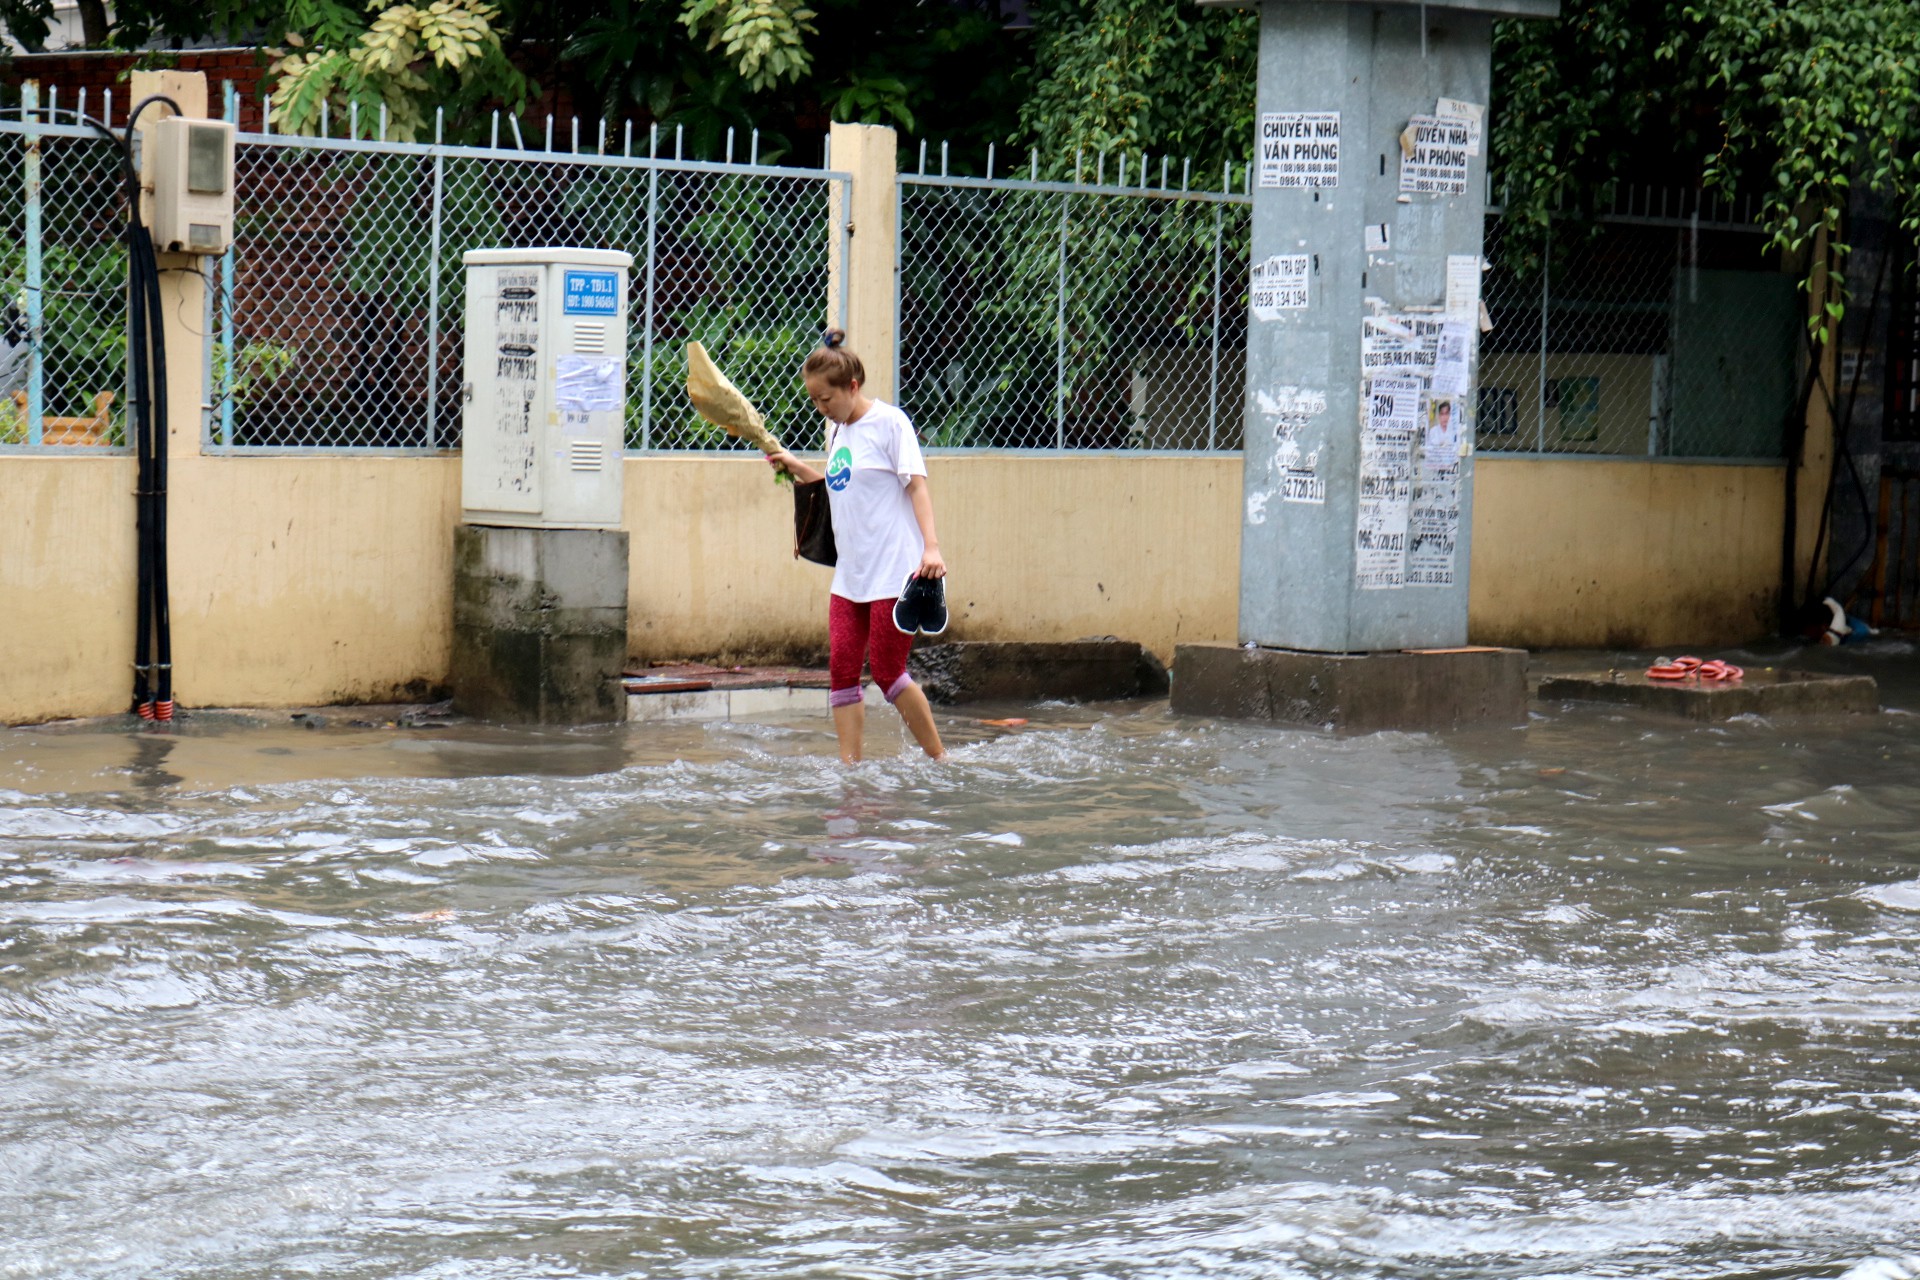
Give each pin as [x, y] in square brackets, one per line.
[162, 608]
[153, 636]
[137, 420]
[1843, 441]
[1841, 427]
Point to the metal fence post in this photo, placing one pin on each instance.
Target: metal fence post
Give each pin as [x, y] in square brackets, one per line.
[1546, 269]
[1060, 332]
[846, 276]
[646, 330]
[223, 303]
[899, 283]
[36, 320]
[1213, 376]
[433, 282]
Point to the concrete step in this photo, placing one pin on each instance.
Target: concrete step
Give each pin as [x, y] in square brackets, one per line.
[698, 691]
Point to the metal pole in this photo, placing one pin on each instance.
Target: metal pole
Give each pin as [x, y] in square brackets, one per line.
[1693, 256]
[646, 331]
[846, 261]
[224, 301]
[899, 281]
[36, 332]
[1213, 379]
[433, 282]
[1660, 424]
[1060, 339]
[1546, 269]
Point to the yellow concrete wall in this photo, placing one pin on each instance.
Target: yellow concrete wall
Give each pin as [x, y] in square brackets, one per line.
[304, 580]
[294, 580]
[317, 579]
[1574, 552]
[66, 579]
[1582, 552]
[1042, 548]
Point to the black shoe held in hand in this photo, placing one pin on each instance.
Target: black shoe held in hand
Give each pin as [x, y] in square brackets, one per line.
[922, 606]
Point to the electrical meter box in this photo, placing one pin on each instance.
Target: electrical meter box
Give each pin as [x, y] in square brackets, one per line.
[545, 397]
[192, 172]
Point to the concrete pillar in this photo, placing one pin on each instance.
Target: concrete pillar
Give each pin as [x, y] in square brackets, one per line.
[869, 152]
[1357, 506]
[1368, 215]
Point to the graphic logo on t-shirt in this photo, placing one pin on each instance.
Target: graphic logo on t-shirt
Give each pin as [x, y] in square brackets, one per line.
[840, 469]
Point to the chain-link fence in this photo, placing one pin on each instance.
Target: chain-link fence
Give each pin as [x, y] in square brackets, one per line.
[338, 314]
[63, 283]
[1639, 335]
[1066, 316]
[1031, 314]
[1056, 315]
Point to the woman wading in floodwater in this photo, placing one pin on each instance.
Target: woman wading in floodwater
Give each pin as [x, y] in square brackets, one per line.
[883, 530]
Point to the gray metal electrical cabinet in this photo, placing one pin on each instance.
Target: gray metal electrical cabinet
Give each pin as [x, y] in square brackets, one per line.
[543, 417]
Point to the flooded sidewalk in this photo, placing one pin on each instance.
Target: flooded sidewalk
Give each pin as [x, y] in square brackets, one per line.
[1112, 993]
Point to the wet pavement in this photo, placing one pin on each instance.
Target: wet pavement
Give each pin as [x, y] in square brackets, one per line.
[1114, 993]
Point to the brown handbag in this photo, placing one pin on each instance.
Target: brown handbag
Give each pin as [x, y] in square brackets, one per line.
[813, 523]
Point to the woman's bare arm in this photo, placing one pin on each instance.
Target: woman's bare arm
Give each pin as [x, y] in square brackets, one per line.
[932, 565]
[784, 461]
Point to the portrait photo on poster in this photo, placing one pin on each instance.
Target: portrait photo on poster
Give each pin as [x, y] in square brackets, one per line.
[1440, 443]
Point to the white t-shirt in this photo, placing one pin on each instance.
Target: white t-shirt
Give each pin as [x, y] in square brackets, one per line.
[869, 462]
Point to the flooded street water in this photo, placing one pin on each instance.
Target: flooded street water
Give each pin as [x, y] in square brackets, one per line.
[1115, 994]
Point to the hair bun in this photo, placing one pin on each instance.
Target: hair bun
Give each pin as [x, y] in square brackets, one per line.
[833, 339]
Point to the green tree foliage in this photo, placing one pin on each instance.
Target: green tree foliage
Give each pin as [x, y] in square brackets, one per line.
[1163, 76]
[133, 24]
[27, 21]
[763, 39]
[947, 69]
[1793, 101]
[405, 58]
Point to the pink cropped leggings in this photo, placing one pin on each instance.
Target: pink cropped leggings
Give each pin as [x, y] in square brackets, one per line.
[857, 631]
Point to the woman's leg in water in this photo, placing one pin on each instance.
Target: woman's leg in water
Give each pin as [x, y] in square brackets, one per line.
[914, 708]
[846, 650]
[890, 648]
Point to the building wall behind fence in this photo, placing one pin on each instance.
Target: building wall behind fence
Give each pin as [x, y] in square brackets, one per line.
[318, 579]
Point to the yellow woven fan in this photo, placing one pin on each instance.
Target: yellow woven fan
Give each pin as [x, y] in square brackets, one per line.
[720, 402]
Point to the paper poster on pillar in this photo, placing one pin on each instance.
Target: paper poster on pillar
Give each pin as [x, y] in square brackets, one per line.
[1433, 521]
[1389, 427]
[1300, 149]
[1463, 284]
[1296, 416]
[1279, 284]
[1433, 528]
[1473, 113]
[1440, 437]
[1434, 156]
[1396, 344]
[1453, 358]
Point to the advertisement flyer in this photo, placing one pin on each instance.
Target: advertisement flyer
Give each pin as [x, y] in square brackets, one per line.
[1388, 433]
[1300, 149]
